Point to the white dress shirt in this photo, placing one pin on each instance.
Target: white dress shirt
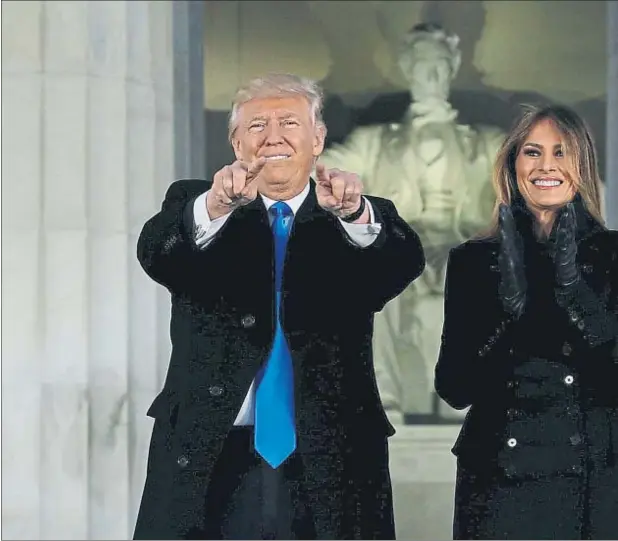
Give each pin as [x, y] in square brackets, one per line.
[360, 234]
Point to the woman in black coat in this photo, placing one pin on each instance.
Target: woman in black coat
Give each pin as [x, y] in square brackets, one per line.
[530, 344]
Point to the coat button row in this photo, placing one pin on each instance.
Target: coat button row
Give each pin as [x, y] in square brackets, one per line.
[568, 380]
[575, 439]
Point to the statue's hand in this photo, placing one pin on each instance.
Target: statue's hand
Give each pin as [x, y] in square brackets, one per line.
[436, 257]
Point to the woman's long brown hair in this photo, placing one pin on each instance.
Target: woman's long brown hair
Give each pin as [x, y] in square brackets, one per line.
[578, 146]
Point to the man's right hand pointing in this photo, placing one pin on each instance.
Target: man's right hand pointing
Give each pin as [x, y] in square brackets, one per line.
[233, 186]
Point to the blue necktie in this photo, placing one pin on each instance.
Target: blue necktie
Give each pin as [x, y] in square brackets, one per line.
[275, 432]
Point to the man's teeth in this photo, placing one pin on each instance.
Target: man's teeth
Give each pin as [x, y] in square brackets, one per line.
[548, 183]
[277, 157]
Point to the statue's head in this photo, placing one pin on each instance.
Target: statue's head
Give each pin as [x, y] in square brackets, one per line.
[429, 59]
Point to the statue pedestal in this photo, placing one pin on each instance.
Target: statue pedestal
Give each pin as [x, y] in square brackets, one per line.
[423, 476]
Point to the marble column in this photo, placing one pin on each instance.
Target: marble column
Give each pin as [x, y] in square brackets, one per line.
[189, 89]
[88, 117]
[611, 172]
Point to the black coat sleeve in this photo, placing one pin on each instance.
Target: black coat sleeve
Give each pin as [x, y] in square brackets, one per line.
[166, 246]
[388, 265]
[475, 330]
[595, 318]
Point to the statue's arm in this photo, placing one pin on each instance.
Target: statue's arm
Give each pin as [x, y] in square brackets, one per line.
[357, 154]
[493, 138]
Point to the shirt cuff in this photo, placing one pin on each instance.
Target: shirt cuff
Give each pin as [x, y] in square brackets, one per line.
[205, 228]
[363, 235]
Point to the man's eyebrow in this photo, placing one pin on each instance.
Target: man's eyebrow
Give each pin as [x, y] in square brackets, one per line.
[264, 118]
[257, 117]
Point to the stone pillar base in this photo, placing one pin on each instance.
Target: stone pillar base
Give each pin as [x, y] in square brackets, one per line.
[423, 476]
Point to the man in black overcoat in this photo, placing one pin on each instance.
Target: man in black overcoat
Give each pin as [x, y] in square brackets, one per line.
[274, 277]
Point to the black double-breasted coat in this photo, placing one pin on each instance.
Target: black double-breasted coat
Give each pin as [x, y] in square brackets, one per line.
[222, 327]
[537, 452]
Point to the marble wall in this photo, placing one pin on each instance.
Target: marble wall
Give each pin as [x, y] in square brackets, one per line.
[89, 113]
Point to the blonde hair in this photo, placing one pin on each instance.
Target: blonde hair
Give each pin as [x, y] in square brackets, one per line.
[276, 85]
[578, 145]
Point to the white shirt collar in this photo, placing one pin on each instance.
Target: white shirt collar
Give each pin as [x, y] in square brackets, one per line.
[293, 203]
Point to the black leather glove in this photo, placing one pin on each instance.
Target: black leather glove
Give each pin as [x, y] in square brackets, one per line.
[565, 254]
[513, 284]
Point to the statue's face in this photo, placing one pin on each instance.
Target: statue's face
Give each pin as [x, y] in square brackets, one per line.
[428, 68]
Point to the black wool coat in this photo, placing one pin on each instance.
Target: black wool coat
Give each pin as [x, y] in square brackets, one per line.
[538, 449]
[222, 326]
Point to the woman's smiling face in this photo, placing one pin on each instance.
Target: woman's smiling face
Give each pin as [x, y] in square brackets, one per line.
[545, 176]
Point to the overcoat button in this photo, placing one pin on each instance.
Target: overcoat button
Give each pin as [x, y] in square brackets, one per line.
[398, 232]
[215, 390]
[248, 321]
[581, 325]
[183, 461]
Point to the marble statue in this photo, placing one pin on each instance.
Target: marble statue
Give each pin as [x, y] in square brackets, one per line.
[438, 173]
